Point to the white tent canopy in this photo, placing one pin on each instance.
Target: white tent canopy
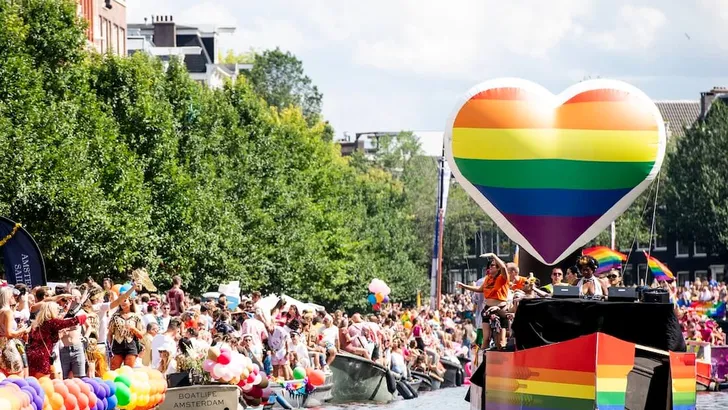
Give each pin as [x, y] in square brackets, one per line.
[268, 303]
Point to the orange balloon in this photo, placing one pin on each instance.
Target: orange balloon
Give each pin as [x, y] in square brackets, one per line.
[70, 402]
[56, 401]
[317, 378]
[73, 388]
[82, 401]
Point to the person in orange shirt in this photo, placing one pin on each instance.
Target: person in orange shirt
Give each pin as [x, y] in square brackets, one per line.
[516, 282]
[495, 292]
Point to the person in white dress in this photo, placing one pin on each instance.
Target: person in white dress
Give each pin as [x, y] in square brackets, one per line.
[590, 287]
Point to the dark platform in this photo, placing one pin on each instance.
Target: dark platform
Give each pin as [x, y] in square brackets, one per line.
[540, 322]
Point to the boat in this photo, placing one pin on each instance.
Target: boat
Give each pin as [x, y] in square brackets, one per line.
[711, 366]
[356, 379]
[571, 361]
[316, 398]
[425, 381]
[454, 373]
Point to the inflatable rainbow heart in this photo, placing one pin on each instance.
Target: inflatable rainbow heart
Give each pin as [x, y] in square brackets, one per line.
[554, 171]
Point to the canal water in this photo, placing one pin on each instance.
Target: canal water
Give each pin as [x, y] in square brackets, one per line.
[453, 399]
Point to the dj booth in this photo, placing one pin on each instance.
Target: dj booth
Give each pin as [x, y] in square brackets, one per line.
[540, 322]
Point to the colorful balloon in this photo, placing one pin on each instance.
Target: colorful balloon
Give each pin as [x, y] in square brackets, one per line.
[299, 373]
[554, 171]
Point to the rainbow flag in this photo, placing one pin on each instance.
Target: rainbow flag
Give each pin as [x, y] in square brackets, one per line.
[658, 269]
[710, 309]
[608, 258]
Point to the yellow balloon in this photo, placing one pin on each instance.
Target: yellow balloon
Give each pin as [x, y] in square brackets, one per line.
[110, 375]
[126, 370]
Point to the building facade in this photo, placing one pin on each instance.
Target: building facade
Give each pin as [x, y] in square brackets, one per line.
[197, 45]
[107, 28]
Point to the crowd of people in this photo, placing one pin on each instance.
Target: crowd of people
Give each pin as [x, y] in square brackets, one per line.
[86, 330]
[78, 331]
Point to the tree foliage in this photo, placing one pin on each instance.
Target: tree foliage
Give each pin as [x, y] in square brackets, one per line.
[697, 195]
[279, 78]
[115, 163]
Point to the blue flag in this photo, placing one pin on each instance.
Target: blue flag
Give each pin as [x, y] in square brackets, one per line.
[21, 255]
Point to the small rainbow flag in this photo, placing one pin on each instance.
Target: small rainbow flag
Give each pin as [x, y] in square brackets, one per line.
[608, 258]
[658, 269]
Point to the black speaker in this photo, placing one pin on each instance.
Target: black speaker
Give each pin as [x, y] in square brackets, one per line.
[655, 296]
[566, 292]
[622, 294]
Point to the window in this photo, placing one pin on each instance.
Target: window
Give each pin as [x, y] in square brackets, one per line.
[699, 250]
[702, 274]
[642, 246]
[660, 243]
[628, 275]
[471, 275]
[102, 30]
[122, 40]
[682, 277]
[641, 273]
[717, 272]
[681, 250]
[503, 244]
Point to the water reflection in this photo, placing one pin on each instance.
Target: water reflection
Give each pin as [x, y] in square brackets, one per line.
[712, 401]
[452, 399]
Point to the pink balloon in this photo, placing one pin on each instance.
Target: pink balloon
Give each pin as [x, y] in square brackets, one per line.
[207, 365]
[256, 368]
[224, 358]
[217, 371]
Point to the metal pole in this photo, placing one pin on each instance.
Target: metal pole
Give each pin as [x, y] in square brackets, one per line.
[439, 259]
[614, 236]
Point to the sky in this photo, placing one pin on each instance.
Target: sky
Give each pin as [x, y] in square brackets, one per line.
[402, 64]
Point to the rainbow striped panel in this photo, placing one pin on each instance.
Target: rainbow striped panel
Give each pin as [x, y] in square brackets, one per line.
[559, 376]
[615, 359]
[682, 368]
[545, 169]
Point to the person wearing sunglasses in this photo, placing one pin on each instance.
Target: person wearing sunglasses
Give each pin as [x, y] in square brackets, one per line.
[614, 278]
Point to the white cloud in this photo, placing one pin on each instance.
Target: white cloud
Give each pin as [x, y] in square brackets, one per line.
[636, 29]
[453, 38]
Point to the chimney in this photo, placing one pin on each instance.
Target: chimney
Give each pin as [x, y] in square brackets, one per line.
[165, 32]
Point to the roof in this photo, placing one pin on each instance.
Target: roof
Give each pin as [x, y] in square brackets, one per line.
[678, 114]
[196, 63]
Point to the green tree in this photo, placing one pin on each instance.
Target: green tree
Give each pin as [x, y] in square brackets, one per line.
[697, 195]
[116, 163]
[231, 57]
[279, 78]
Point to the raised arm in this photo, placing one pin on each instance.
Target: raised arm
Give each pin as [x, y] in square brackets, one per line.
[470, 288]
[118, 301]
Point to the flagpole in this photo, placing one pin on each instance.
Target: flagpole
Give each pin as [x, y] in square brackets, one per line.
[614, 236]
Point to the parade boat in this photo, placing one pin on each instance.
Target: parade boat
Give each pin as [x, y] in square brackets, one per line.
[356, 379]
[317, 398]
[579, 354]
[711, 366]
[428, 382]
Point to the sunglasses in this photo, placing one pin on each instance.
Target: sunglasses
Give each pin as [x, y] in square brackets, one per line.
[612, 276]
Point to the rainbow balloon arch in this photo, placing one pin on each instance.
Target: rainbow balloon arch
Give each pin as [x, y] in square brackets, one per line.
[126, 389]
